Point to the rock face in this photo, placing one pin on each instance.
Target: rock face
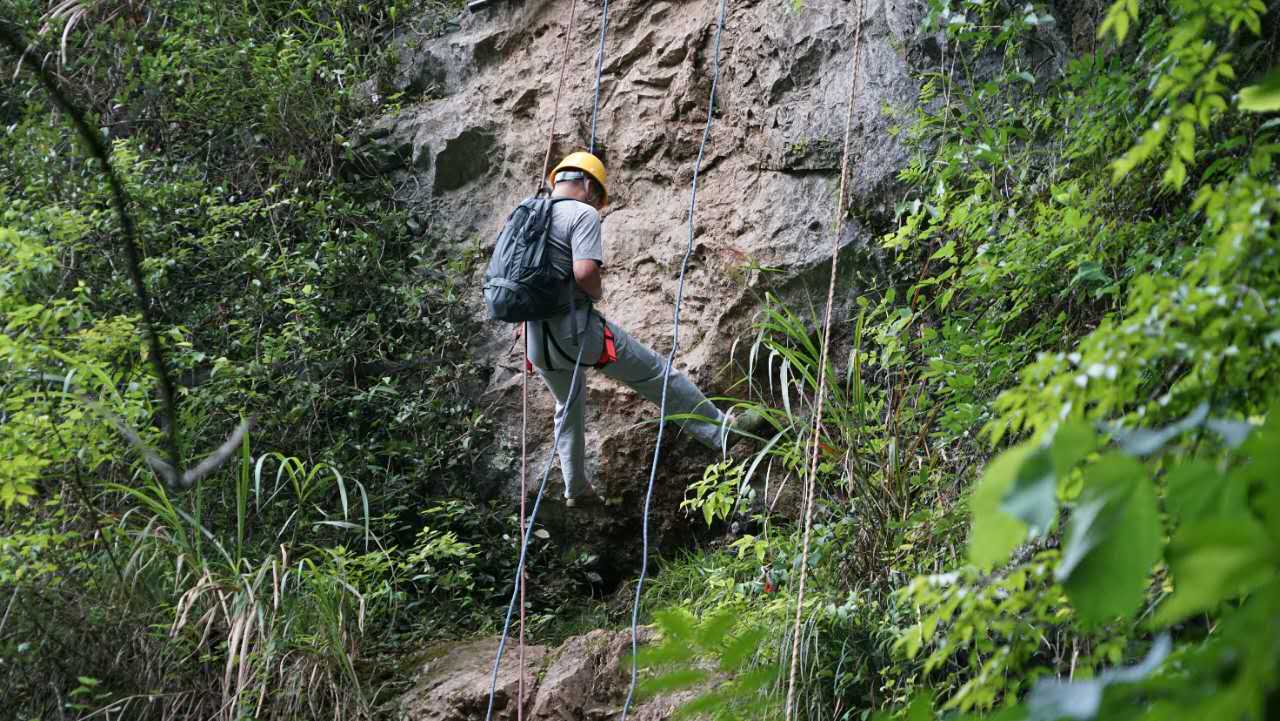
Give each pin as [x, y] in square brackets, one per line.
[470, 138]
[454, 683]
[585, 678]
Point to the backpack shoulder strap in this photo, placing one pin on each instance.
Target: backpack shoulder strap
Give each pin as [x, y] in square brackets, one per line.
[546, 231]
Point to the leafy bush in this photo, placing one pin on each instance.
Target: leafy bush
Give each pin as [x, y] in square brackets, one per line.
[1090, 244]
[1220, 561]
[286, 291]
[706, 657]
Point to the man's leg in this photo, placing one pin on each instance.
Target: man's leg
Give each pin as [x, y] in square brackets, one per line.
[641, 368]
[570, 426]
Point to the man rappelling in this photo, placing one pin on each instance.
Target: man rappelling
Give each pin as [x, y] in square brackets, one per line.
[546, 275]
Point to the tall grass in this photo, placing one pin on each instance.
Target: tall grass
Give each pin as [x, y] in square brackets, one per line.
[277, 625]
[874, 459]
[875, 470]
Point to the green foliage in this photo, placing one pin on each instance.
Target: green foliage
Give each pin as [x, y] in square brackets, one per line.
[1263, 97]
[722, 666]
[1217, 553]
[1112, 542]
[980, 637]
[1024, 248]
[717, 494]
[1082, 274]
[996, 533]
[288, 289]
[1082, 265]
[50, 348]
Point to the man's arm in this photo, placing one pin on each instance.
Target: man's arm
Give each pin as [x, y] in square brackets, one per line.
[587, 274]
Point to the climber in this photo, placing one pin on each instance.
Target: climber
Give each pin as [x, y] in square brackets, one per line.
[554, 343]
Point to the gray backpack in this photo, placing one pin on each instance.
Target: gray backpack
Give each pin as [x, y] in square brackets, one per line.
[523, 282]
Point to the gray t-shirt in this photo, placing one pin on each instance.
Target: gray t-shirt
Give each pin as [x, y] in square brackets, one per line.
[575, 232]
[576, 225]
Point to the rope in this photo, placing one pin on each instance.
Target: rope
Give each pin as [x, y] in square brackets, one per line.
[810, 487]
[555, 109]
[526, 524]
[528, 532]
[524, 479]
[595, 104]
[675, 345]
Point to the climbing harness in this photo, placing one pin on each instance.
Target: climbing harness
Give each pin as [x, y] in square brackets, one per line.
[810, 484]
[608, 348]
[675, 346]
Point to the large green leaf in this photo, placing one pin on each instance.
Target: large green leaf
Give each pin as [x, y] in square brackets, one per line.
[1112, 541]
[712, 631]
[1215, 560]
[676, 623]
[1033, 496]
[1263, 451]
[1148, 441]
[995, 533]
[920, 708]
[1071, 443]
[741, 649]
[672, 681]
[668, 652]
[1263, 97]
[1269, 507]
[705, 705]
[1190, 489]
[758, 678]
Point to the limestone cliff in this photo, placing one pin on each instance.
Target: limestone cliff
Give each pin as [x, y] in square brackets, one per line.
[469, 134]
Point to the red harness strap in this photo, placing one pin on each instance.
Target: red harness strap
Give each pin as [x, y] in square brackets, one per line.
[609, 353]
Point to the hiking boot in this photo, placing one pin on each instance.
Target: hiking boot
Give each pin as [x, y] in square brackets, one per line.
[586, 499]
[750, 422]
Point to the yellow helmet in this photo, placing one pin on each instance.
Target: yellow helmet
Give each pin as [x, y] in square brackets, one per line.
[587, 163]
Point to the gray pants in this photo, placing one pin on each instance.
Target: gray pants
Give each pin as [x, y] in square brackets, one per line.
[553, 349]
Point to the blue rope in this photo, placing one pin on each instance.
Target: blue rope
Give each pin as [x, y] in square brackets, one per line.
[666, 372]
[528, 531]
[595, 106]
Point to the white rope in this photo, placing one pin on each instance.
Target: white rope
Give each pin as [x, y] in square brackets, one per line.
[811, 487]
